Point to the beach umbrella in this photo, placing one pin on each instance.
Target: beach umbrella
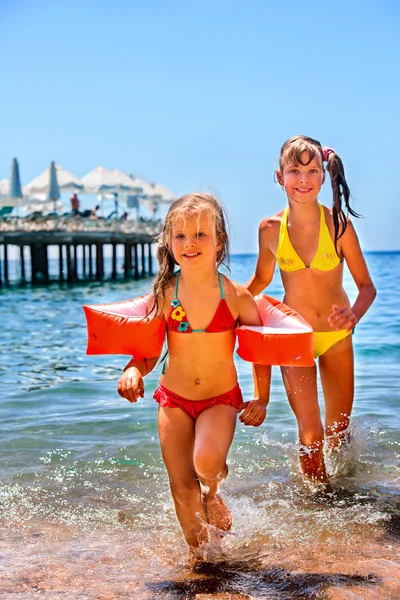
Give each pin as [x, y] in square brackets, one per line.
[148, 191]
[54, 191]
[41, 183]
[130, 183]
[103, 181]
[15, 190]
[154, 194]
[165, 195]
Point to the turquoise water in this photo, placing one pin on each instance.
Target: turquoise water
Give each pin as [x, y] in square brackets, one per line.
[85, 506]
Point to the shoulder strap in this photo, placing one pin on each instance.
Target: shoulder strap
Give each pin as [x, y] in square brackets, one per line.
[322, 213]
[176, 284]
[221, 286]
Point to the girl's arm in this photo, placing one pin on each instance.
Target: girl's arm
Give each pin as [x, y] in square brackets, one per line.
[131, 385]
[347, 318]
[254, 411]
[266, 260]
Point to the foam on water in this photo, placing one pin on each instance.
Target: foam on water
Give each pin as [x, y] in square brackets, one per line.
[85, 509]
[82, 524]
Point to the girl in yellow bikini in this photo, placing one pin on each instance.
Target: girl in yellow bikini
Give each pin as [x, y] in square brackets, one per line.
[310, 242]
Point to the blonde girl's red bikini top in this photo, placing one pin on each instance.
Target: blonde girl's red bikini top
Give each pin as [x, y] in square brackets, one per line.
[222, 320]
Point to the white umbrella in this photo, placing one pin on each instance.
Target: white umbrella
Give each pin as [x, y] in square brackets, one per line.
[155, 192]
[165, 194]
[103, 181]
[148, 190]
[128, 181]
[41, 183]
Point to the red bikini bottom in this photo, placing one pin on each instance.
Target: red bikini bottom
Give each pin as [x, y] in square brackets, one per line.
[194, 408]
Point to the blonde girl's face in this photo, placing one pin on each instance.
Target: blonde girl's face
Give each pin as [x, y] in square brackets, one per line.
[302, 182]
[193, 240]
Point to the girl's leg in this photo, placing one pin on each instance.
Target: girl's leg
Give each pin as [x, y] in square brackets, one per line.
[214, 433]
[301, 390]
[336, 368]
[177, 431]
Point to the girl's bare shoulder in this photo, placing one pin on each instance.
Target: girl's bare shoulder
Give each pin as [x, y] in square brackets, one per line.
[234, 291]
[270, 225]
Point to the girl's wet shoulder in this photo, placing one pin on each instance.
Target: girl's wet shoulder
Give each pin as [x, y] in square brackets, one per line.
[233, 289]
[271, 223]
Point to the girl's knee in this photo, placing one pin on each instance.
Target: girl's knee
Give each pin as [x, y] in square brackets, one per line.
[209, 464]
[184, 490]
[311, 435]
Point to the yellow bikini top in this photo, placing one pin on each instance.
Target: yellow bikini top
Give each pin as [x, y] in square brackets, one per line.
[325, 258]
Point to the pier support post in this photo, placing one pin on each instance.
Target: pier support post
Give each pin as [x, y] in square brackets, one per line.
[114, 261]
[75, 261]
[33, 263]
[70, 270]
[136, 261]
[90, 261]
[99, 261]
[60, 263]
[128, 259]
[84, 261]
[5, 264]
[22, 261]
[150, 260]
[143, 260]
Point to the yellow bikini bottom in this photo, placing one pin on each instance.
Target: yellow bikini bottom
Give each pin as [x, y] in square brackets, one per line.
[323, 340]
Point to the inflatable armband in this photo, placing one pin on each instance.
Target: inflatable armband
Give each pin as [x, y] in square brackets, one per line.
[124, 328]
[284, 338]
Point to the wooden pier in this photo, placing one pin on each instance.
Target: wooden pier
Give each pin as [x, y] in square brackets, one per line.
[72, 250]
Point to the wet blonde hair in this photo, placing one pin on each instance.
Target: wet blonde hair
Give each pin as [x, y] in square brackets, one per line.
[291, 152]
[187, 206]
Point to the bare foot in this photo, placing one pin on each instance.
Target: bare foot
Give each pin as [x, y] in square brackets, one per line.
[217, 512]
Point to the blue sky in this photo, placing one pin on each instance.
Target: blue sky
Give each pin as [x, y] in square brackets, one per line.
[201, 95]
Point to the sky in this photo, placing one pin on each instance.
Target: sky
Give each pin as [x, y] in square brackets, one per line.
[201, 96]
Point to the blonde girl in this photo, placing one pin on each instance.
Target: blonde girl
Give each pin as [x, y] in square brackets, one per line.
[198, 394]
[309, 243]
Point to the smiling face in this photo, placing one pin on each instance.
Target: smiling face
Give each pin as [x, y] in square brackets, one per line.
[302, 181]
[194, 240]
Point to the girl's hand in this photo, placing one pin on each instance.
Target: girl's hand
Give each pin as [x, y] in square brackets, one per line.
[254, 412]
[342, 317]
[131, 385]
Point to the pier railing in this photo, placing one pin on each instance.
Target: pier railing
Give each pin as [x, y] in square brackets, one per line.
[78, 246]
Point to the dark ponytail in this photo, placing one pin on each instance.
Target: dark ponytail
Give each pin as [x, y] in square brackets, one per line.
[341, 191]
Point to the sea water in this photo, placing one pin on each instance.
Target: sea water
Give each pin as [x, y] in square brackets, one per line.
[85, 508]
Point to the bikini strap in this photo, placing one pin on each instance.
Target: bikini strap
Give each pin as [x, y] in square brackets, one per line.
[221, 286]
[176, 284]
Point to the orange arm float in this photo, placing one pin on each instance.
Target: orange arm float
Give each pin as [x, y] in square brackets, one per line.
[284, 338]
[124, 328]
